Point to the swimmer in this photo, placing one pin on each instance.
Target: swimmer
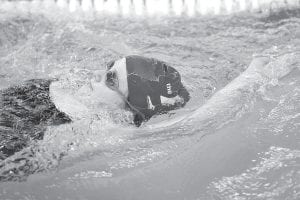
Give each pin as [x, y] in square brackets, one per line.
[144, 86]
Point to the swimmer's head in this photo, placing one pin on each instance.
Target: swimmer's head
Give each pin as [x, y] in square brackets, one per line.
[109, 87]
[147, 86]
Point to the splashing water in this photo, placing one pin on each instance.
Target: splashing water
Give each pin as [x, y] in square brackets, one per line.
[238, 137]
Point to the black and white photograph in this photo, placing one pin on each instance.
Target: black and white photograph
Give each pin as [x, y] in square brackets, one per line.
[149, 99]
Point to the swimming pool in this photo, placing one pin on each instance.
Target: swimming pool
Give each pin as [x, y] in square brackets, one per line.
[238, 137]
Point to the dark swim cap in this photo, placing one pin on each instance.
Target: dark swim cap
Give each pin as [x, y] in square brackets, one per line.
[150, 80]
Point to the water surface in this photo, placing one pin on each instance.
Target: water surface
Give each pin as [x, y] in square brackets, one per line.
[238, 137]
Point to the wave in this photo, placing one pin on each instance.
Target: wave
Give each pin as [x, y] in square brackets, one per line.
[225, 106]
[236, 98]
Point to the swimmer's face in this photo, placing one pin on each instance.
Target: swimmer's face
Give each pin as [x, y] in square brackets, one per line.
[110, 88]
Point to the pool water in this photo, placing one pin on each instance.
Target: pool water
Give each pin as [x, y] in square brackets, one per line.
[238, 137]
